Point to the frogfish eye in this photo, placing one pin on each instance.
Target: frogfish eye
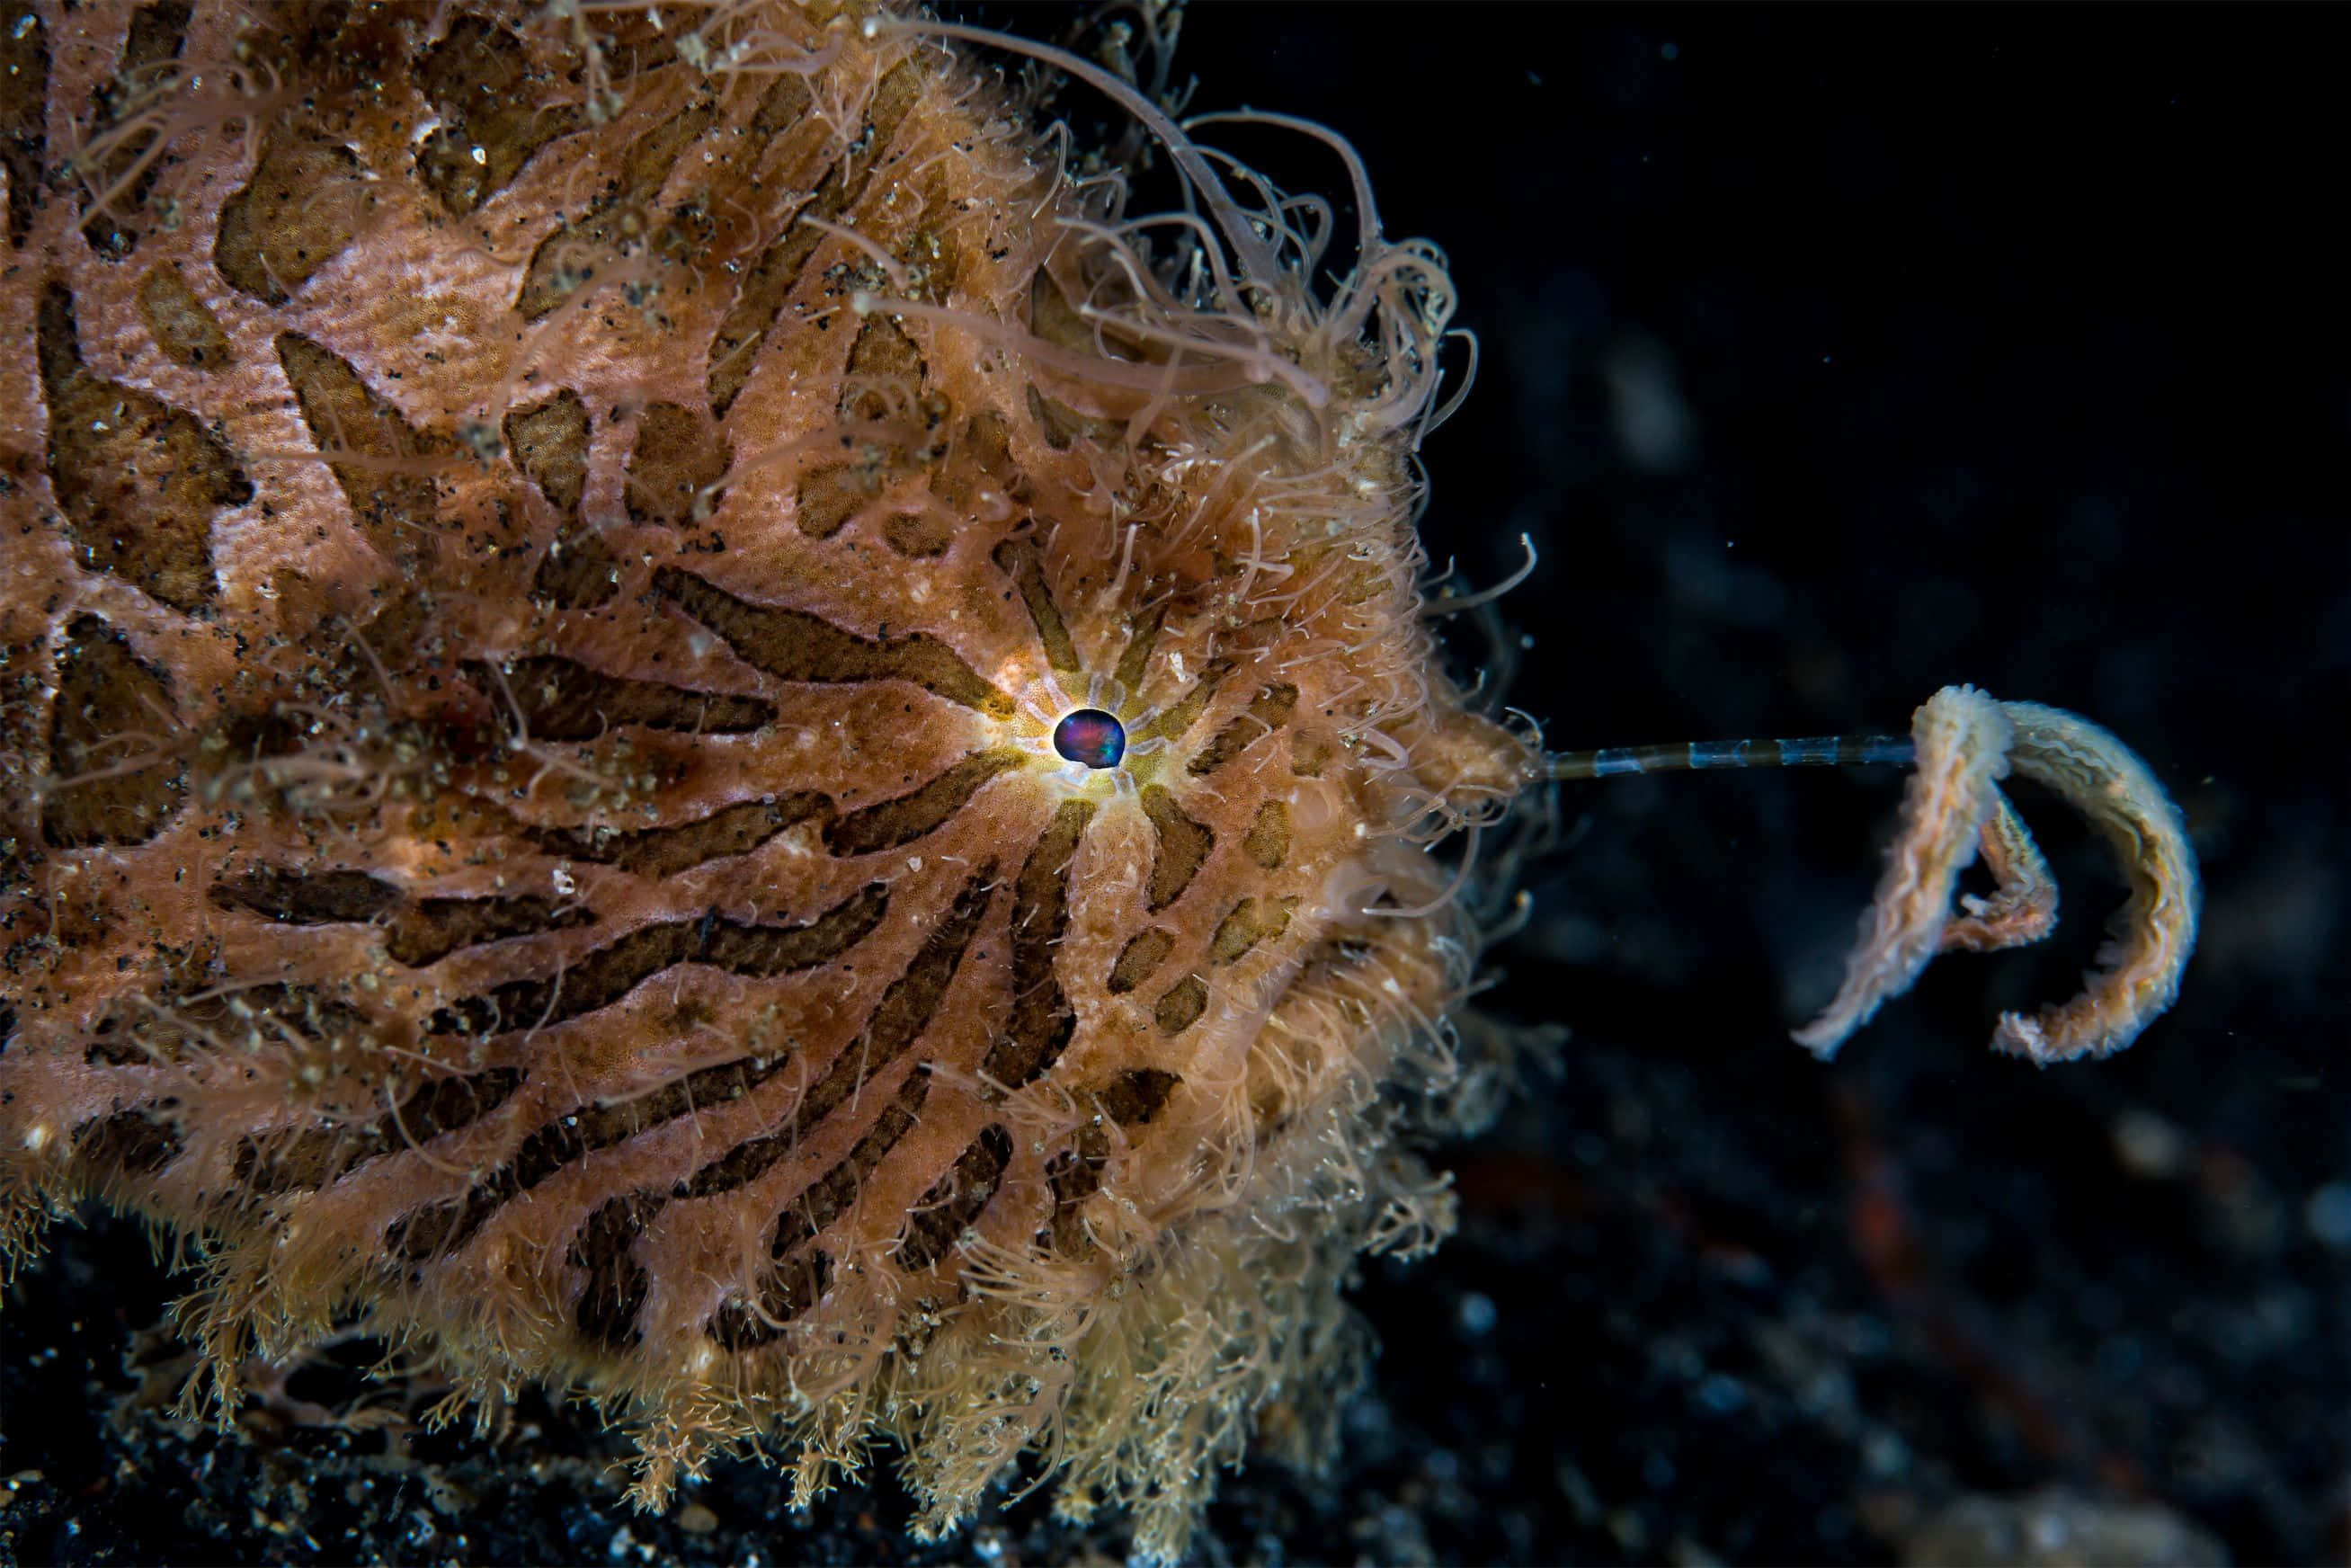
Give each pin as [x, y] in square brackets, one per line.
[1092, 736]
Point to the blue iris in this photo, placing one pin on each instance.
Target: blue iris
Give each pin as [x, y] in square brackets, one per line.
[1092, 736]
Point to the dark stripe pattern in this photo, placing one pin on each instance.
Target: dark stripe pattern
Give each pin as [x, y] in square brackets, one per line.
[1130, 1100]
[603, 976]
[1267, 712]
[793, 645]
[954, 1201]
[318, 1156]
[790, 1287]
[1042, 1020]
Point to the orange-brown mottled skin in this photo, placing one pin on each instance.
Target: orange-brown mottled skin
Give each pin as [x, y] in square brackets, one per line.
[542, 557]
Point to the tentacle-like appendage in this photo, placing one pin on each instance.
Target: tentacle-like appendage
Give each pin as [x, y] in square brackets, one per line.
[1963, 744]
[2102, 778]
[1962, 738]
[1966, 743]
[2022, 907]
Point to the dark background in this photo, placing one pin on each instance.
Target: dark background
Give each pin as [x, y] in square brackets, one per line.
[1830, 356]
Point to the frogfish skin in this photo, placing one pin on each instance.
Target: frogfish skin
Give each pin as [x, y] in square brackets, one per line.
[683, 720]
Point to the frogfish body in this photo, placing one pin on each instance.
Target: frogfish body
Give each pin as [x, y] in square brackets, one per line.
[550, 560]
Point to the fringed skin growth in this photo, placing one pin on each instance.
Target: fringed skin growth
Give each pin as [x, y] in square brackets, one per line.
[1962, 740]
[546, 549]
[1964, 744]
